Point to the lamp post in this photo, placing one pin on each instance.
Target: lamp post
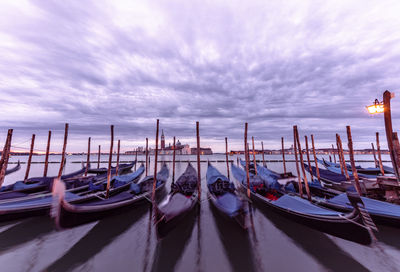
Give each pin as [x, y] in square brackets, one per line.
[384, 106]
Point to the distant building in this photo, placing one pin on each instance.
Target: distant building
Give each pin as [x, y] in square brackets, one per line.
[162, 140]
[203, 151]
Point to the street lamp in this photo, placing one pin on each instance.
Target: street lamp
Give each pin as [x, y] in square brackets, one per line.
[377, 107]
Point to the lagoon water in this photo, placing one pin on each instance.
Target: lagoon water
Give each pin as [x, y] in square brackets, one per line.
[127, 242]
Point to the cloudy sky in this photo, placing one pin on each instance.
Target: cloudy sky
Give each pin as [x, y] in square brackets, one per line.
[273, 64]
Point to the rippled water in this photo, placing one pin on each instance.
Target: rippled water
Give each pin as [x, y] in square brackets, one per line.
[207, 242]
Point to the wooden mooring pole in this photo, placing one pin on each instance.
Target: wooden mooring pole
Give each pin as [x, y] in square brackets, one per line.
[254, 157]
[46, 160]
[262, 149]
[378, 149]
[297, 162]
[353, 164]
[226, 157]
[109, 161]
[98, 157]
[118, 150]
[247, 160]
[5, 156]
[87, 158]
[283, 156]
[153, 195]
[308, 157]
[147, 156]
[198, 160]
[302, 165]
[315, 158]
[28, 166]
[63, 160]
[173, 162]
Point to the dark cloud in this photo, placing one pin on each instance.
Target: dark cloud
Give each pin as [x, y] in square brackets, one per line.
[223, 63]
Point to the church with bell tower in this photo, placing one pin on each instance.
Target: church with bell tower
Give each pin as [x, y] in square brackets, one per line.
[162, 140]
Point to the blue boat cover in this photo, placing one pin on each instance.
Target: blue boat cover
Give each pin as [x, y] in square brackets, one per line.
[229, 203]
[135, 188]
[374, 207]
[300, 205]
[98, 187]
[270, 177]
[240, 175]
[290, 188]
[333, 177]
[129, 177]
[338, 171]
[213, 175]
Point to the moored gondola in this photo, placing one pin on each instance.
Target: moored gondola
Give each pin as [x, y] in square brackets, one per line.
[37, 205]
[34, 187]
[181, 201]
[224, 196]
[350, 226]
[73, 214]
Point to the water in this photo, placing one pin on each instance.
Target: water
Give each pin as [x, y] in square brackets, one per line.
[127, 242]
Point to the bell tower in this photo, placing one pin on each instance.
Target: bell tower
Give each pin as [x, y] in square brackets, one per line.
[162, 140]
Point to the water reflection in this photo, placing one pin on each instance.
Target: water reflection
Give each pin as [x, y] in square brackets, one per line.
[169, 250]
[100, 236]
[315, 243]
[236, 243]
[25, 231]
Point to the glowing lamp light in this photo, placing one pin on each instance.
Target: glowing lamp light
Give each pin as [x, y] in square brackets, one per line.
[377, 107]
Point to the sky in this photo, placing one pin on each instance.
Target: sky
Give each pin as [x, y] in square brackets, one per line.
[273, 64]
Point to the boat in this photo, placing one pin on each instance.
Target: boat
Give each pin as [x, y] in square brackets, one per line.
[38, 205]
[74, 213]
[124, 168]
[350, 226]
[14, 169]
[224, 196]
[42, 185]
[181, 201]
[369, 171]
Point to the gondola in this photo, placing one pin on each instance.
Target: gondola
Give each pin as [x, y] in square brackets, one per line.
[181, 201]
[71, 214]
[380, 211]
[40, 204]
[124, 168]
[42, 185]
[14, 169]
[349, 226]
[224, 196]
[371, 171]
